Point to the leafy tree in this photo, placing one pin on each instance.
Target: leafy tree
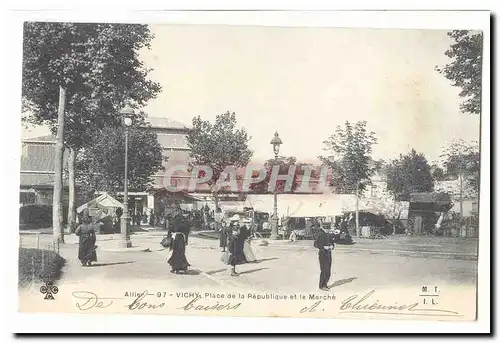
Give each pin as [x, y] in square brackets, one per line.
[411, 173]
[462, 160]
[217, 146]
[438, 173]
[284, 163]
[379, 166]
[76, 77]
[349, 157]
[465, 67]
[101, 166]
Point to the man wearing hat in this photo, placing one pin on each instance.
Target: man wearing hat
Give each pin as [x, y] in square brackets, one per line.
[324, 244]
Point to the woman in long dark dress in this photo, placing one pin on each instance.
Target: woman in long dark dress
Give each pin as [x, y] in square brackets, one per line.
[224, 235]
[236, 250]
[243, 234]
[178, 260]
[87, 239]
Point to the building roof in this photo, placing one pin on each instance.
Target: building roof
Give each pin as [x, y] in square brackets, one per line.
[37, 162]
[173, 141]
[166, 123]
[48, 139]
[430, 197]
[38, 157]
[39, 180]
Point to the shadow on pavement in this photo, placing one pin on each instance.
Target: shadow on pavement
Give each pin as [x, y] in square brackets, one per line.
[110, 264]
[252, 271]
[190, 272]
[267, 259]
[212, 272]
[342, 282]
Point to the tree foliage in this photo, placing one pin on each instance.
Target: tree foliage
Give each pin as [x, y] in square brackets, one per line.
[438, 173]
[218, 145]
[465, 67]
[101, 165]
[349, 158]
[411, 173]
[97, 64]
[462, 160]
[284, 163]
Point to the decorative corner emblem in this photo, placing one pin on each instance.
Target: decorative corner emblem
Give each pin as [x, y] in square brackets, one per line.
[49, 289]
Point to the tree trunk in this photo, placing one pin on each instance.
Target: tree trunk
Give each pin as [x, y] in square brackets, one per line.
[461, 196]
[71, 204]
[394, 219]
[57, 208]
[358, 233]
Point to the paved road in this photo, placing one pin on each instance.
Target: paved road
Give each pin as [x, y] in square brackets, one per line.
[283, 267]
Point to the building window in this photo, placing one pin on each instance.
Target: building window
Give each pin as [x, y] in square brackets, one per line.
[373, 192]
[27, 198]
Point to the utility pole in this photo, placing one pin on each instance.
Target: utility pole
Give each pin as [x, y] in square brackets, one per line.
[57, 208]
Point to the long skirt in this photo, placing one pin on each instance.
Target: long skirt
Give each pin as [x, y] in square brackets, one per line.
[248, 252]
[236, 258]
[86, 250]
[178, 259]
[223, 239]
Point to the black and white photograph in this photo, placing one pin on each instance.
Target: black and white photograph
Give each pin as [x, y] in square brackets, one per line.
[252, 170]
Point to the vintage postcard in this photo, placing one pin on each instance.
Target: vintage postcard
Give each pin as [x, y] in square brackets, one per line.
[255, 170]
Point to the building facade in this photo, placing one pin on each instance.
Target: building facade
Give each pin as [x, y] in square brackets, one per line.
[37, 172]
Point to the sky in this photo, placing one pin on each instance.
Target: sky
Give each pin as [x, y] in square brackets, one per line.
[302, 82]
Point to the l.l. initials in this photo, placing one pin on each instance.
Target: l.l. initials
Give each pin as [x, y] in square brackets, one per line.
[431, 301]
[430, 295]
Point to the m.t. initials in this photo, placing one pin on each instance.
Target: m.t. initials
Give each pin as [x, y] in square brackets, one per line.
[430, 295]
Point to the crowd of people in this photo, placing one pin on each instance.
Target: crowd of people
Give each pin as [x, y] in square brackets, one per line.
[234, 240]
[235, 235]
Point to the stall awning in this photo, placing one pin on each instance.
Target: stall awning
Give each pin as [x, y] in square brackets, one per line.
[305, 205]
[235, 206]
[102, 201]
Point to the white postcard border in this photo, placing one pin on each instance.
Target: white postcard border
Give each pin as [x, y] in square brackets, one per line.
[72, 323]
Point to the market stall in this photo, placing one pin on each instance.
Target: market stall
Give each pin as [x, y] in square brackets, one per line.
[103, 208]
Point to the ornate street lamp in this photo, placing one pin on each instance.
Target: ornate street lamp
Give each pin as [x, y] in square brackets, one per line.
[127, 112]
[275, 142]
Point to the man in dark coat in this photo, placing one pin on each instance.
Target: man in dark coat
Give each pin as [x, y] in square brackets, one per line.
[324, 244]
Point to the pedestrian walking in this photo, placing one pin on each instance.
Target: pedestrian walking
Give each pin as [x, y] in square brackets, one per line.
[235, 249]
[86, 242]
[324, 244]
[224, 236]
[177, 260]
[246, 236]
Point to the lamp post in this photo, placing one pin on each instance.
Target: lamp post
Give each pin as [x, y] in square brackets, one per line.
[125, 242]
[275, 142]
